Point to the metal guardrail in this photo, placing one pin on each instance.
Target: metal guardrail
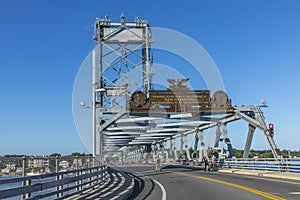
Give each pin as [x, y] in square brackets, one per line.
[269, 164]
[55, 178]
[44, 164]
[61, 184]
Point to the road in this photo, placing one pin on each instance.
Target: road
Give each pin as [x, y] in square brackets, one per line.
[184, 183]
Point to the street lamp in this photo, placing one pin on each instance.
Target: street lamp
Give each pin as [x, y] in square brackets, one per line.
[263, 103]
[83, 104]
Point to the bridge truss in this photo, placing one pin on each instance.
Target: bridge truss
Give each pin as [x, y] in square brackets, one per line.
[124, 115]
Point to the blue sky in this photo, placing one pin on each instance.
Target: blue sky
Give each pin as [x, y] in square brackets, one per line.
[255, 45]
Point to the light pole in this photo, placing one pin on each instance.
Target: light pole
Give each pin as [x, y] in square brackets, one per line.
[94, 121]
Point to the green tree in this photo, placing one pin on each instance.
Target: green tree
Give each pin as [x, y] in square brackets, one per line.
[55, 154]
[77, 154]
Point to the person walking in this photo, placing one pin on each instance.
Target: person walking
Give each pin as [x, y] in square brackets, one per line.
[205, 162]
[158, 164]
[214, 163]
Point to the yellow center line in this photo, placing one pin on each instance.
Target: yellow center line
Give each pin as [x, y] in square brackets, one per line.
[258, 192]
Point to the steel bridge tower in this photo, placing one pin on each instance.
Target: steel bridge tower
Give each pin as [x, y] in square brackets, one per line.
[121, 63]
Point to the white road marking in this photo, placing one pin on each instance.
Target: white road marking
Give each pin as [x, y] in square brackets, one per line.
[164, 193]
[294, 193]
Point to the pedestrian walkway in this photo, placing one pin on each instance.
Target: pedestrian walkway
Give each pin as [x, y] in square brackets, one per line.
[263, 173]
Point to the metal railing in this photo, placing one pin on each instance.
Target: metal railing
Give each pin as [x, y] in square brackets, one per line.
[59, 181]
[268, 164]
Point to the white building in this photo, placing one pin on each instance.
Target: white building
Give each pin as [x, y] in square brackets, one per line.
[10, 167]
[77, 162]
[64, 164]
[36, 163]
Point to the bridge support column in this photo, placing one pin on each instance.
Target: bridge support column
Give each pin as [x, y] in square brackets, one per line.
[153, 151]
[181, 144]
[173, 149]
[195, 145]
[218, 136]
[202, 149]
[164, 150]
[159, 147]
[185, 145]
[223, 129]
[249, 141]
[166, 154]
[171, 154]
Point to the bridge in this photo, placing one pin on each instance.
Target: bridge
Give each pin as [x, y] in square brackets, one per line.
[133, 117]
[137, 123]
[87, 178]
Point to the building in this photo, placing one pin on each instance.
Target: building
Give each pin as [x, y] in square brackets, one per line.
[38, 163]
[64, 164]
[77, 162]
[10, 167]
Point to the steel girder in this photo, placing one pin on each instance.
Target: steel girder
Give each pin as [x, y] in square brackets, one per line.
[156, 130]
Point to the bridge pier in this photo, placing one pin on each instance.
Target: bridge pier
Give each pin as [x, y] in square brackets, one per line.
[172, 144]
[222, 130]
[249, 141]
[164, 150]
[218, 136]
[202, 149]
[195, 145]
[184, 146]
[173, 149]
[153, 151]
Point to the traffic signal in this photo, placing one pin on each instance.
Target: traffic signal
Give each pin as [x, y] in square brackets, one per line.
[271, 129]
[195, 114]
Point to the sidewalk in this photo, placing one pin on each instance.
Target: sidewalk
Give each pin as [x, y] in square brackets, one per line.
[262, 173]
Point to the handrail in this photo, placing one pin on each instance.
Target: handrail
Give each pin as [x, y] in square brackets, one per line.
[58, 183]
[270, 164]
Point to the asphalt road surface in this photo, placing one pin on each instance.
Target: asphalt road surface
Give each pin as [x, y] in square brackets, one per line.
[184, 183]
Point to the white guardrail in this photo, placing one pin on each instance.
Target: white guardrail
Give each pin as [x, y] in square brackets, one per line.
[269, 164]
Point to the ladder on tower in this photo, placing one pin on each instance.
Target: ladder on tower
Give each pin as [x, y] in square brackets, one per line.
[259, 116]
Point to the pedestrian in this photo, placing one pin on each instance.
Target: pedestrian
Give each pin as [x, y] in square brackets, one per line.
[214, 162]
[158, 164]
[205, 162]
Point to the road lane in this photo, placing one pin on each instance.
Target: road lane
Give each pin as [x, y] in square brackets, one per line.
[257, 192]
[183, 183]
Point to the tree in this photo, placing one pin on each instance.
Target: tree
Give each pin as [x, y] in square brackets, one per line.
[55, 155]
[77, 154]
